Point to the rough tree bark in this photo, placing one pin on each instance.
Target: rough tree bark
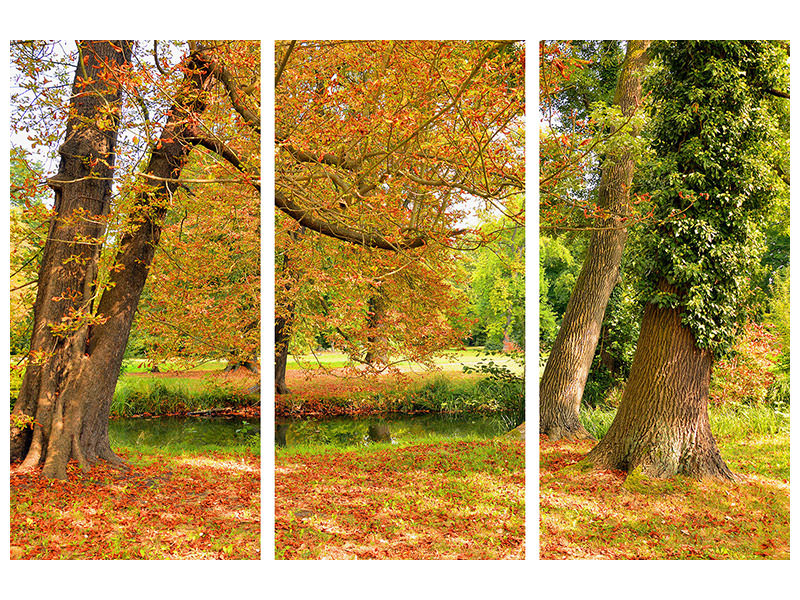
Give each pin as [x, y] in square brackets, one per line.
[71, 394]
[68, 269]
[377, 343]
[564, 377]
[662, 423]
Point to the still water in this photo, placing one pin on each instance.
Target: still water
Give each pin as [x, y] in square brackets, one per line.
[348, 431]
[183, 433]
[197, 434]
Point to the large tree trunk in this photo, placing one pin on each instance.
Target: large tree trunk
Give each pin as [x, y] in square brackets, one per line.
[68, 269]
[564, 377]
[662, 423]
[73, 395]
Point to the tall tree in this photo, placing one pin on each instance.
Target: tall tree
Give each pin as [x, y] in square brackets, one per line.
[564, 378]
[62, 310]
[712, 130]
[384, 145]
[78, 340]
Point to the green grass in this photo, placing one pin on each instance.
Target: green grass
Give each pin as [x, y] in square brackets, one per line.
[606, 514]
[597, 420]
[331, 359]
[164, 397]
[728, 421]
[141, 365]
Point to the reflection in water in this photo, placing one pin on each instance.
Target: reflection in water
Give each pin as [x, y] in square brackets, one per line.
[349, 431]
[379, 432]
[189, 433]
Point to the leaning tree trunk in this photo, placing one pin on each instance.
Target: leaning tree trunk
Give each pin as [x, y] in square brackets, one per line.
[564, 377]
[76, 407]
[662, 423]
[68, 269]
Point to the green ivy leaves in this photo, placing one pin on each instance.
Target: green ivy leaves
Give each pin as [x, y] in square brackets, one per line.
[712, 132]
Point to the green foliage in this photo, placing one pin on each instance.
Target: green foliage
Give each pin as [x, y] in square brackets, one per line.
[596, 80]
[501, 390]
[497, 295]
[559, 266]
[29, 217]
[711, 179]
[503, 387]
[617, 344]
[779, 316]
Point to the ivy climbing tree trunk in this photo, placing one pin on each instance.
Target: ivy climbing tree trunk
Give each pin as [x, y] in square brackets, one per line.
[662, 424]
[564, 377]
[70, 393]
[713, 131]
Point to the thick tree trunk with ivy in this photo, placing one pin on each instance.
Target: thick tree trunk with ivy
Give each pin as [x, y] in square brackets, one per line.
[70, 393]
[564, 377]
[662, 423]
[714, 131]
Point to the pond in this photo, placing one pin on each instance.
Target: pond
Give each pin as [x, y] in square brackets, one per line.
[193, 434]
[348, 431]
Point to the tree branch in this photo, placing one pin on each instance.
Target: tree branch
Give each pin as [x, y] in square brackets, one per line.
[778, 93]
[285, 60]
[306, 218]
[235, 95]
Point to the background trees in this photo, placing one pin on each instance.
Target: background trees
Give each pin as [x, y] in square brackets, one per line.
[82, 324]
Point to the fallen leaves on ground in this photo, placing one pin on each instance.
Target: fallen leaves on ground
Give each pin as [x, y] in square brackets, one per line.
[455, 500]
[593, 515]
[164, 507]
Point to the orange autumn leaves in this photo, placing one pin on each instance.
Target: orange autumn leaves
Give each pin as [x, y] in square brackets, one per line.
[202, 507]
[394, 141]
[455, 500]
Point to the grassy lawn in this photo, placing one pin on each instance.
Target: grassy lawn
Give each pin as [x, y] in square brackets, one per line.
[601, 514]
[456, 500]
[452, 360]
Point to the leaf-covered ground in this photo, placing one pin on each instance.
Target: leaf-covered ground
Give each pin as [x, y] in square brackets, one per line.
[600, 514]
[164, 507]
[455, 500]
